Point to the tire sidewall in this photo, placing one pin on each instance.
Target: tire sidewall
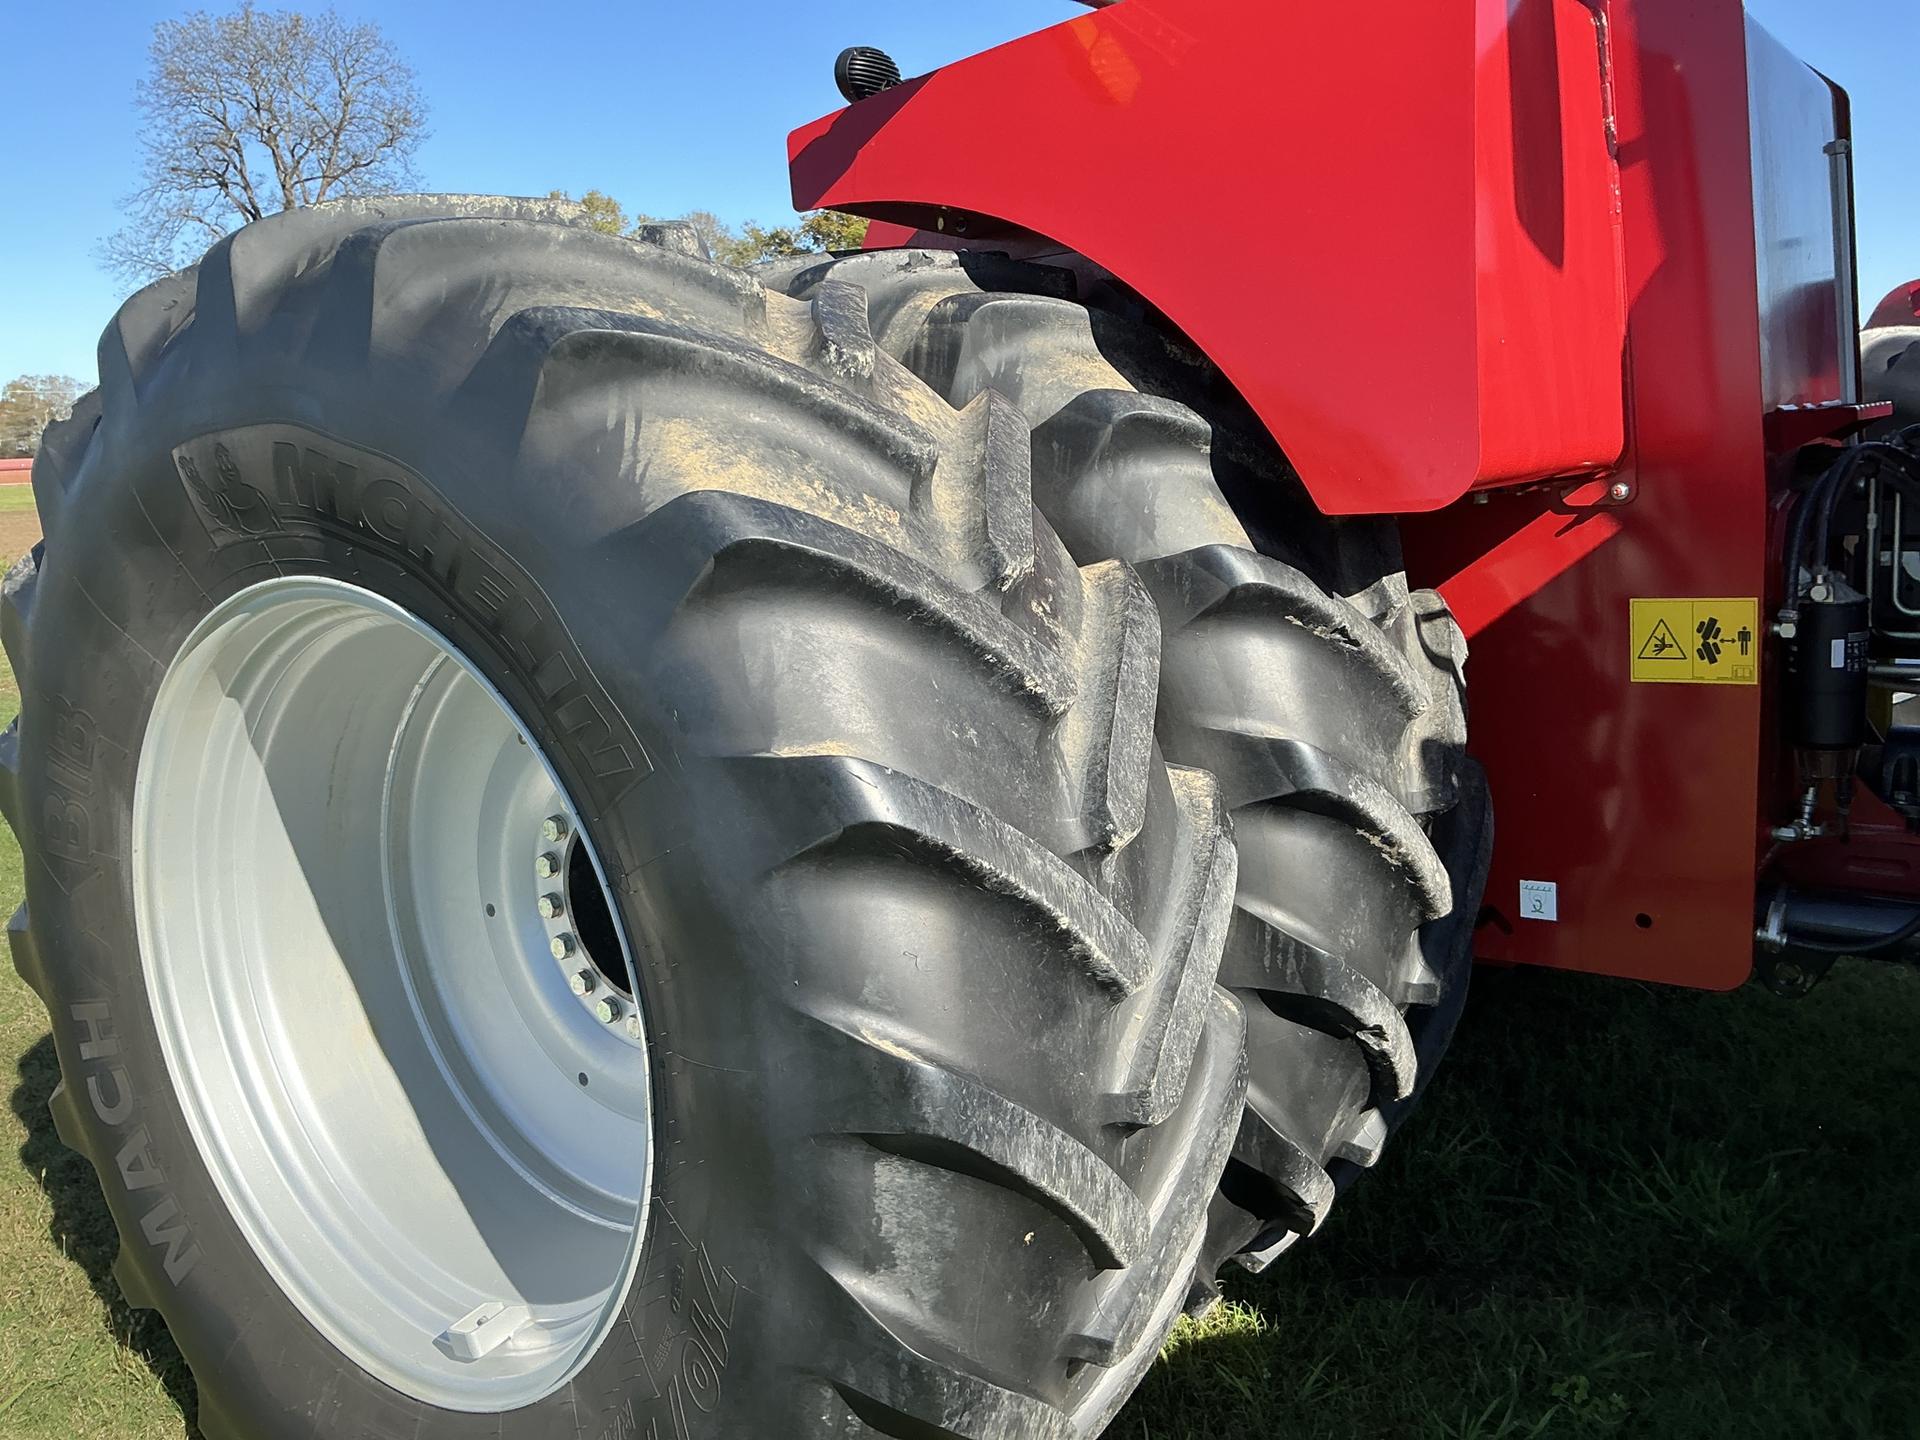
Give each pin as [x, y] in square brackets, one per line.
[186, 503]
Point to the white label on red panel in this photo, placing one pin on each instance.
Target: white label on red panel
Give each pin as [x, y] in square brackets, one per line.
[1539, 900]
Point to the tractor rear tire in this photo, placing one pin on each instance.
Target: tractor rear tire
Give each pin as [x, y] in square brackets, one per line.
[1298, 668]
[925, 1048]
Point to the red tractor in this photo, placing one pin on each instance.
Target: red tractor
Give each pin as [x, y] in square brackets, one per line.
[618, 847]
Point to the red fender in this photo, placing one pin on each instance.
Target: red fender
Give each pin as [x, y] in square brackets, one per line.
[1396, 230]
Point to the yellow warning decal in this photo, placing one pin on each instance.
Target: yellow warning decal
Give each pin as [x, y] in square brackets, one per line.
[1697, 642]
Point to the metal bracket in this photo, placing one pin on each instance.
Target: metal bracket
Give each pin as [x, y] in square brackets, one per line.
[1791, 974]
[1602, 494]
[1791, 427]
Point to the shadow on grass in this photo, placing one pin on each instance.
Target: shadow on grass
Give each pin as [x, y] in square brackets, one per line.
[83, 1229]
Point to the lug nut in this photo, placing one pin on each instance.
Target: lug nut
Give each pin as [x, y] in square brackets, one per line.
[607, 1010]
[561, 946]
[635, 1030]
[547, 866]
[551, 906]
[553, 828]
[581, 982]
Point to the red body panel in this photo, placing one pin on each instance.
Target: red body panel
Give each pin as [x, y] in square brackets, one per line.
[1899, 306]
[1462, 249]
[1640, 801]
[1439, 164]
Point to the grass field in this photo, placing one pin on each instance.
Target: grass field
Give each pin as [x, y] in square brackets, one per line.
[1622, 1212]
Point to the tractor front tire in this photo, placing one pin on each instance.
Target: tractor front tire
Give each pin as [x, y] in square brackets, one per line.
[858, 1070]
[1298, 668]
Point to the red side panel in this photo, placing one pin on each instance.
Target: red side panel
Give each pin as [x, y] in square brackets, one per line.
[1639, 802]
[1550, 309]
[1398, 237]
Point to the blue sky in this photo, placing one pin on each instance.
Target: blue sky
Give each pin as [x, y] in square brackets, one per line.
[668, 106]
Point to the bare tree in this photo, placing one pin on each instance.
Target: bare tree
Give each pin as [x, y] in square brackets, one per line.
[257, 111]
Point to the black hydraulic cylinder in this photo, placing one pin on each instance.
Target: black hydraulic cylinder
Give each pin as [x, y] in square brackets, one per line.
[1838, 923]
[1827, 676]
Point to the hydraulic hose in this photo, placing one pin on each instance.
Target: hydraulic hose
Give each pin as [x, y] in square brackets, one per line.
[1817, 506]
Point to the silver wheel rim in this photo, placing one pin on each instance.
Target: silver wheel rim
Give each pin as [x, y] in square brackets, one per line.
[397, 1011]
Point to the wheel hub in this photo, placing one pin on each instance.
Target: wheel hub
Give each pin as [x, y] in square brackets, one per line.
[582, 936]
[394, 999]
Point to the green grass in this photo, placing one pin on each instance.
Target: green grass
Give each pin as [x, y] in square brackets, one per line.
[1622, 1212]
[75, 1362]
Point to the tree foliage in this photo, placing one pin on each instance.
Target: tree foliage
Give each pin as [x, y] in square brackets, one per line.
[28, 404]
[832, 230]
[256, 111]
[604, 213]
[814, 233]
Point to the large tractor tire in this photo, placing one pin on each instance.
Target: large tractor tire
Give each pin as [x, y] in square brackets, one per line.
[596, 868]
[1297, 668]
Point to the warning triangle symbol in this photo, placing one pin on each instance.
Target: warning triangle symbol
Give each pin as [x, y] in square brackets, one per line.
[1662, 646]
